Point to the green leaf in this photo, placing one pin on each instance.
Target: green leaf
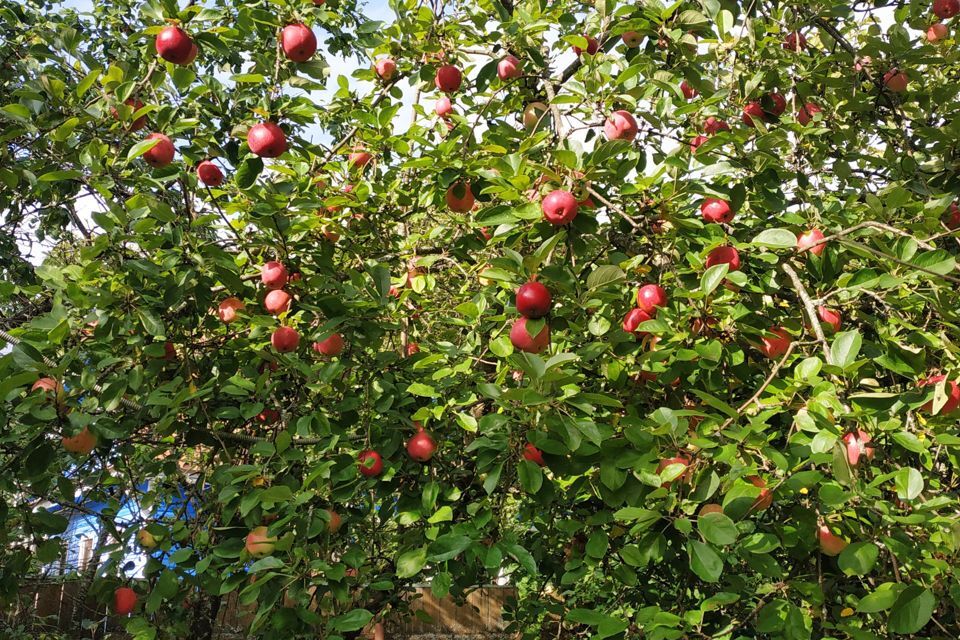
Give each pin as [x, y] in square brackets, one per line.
[845, 348]
[717, 529]
[704, 561]
[912, 610]
[712, 277]
[775, 239]
[141, 148]
[858, 558]
[604, 276]
[531, 476]
[909, 483]
[352, 620]
[448, 546]
[409, 563]
[881, 599]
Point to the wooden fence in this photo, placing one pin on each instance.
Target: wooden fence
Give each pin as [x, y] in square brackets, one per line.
[49, 606]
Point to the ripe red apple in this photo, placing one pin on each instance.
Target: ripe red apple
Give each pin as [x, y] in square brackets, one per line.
[298, 42]
[829, 318]
[358, 159]
[285, 339]
[412, 349]
[711, 507]
[896, 80]
[192, 55]
[509, 67]
[386, 69]
[259, 543]
[666, 462]
[124, 601]
[830, 544]
[716, 210]
[523, 341]
[765, 499]
[161, 154]
[857, 443]
[174, 45]
[953, 218]
[808, 241]
[370, 463]
[169, 352]
[634, 318]
[459, 197]
[946, 9]
[632, 39]
[952, 390]
[276, 302]
[724, 255]
[620, 125]
[696, 142]
[81, 444]
[688, 92]
[559, 207]
[335, 521]
[592, 46]
[448, 78]
[209, 174]
[937, 32]
[775, 343]
[136, 105]
[268, 416]
[531, 453]
[267, 140]
[444, 107]
[227, 311]
[778, 102]
[651, 296]
[807, 112]
[753, 113]
[795, 41]
[273, 275]
[421, 446]
[533, 300]
[332, 346]
[714, 125]
[47, 385]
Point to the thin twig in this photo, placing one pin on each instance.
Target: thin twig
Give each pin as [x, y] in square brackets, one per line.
[808, 306]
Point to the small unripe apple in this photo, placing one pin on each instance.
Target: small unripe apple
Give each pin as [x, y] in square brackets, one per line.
[714, 125]
[285, 339]
[724, 255]
[267, 140]
[421, 446]
[807, 112]
[952, 390]
[273, 275]
[509, 68]
[81, 444]
[146, 539]
[765, 499]
[592, 46]
[370, 463]
[161, 154]
[124, 601]
[937, 32]
[632, 39]
[534, 115]
[335, 521]
[634, 318]
[523, 341]
[386, 69]
[443, 107]
[533, 300]
[531, 453]
[259, 543]
[830, 318]
[775, 343]
[795, 41]
[620, 125]
[651, 296]
[331, 347]
[209, 174]
[809, 241]
[459, 197]
[559, 207]
[830, 544]
[946, 9]
[716, 210]
[298, 42]
[753, 113]
[857, 444]
[276, 302]
[174, 45]
[896, 80]
[448, 78]
[688, 91]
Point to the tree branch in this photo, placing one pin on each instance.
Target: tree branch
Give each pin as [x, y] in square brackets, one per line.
[811, 312]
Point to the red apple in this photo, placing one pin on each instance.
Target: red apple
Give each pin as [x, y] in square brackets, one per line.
[712, 507]
[830, 544]
[443, 107]
[753, 113]
[412, 349]
[937, 32]
[459, 197]
[448, 78]
[277, 302]
[268, 416]
[285, 339]
[795, 41]
[386, 69]
[136, 105]
[82, 443]
[953, 395]
[716, 210]
[523, 341]
[632, 39]
[192, 55]
[298, 42]
[779, 103]
[47, 385]
[124, 601]
[896, 80]
[509, 67]
[724, 255]
[857, 443]
[370, 463]
[634, 318]
[161, 154]
[227, 311]
[592, 46]
[209, 174]
[559, 207]
[531, 453]
[830, 318]
[953, 217]
[714, 125]
[666, 462]
[946, 9]
[421, 446]
[696, 142]
[775, 343]
[169, 352]
[688, 92]
[174, 45]
[765, 499]
[651, 296]
[358, 159]
[533, 300]
[332, 346]
[808, 241]
[807, 112]
[259, 543]
[273, 275]
[267, 140]
[335, 521]
[620, 125]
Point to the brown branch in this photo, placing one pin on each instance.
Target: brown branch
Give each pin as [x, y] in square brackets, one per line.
[614, 207]
[811, 312]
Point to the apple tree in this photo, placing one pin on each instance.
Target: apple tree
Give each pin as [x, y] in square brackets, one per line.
[649, 310]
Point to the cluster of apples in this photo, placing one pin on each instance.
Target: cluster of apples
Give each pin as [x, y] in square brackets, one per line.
[650, 298]
[533, 302]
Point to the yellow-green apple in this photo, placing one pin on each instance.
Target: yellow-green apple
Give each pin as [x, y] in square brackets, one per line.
[146, 540]
[534, 115]
[259, 543]
[830, 543]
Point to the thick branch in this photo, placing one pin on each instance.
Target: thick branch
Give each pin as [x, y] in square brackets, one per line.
[811, 311]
